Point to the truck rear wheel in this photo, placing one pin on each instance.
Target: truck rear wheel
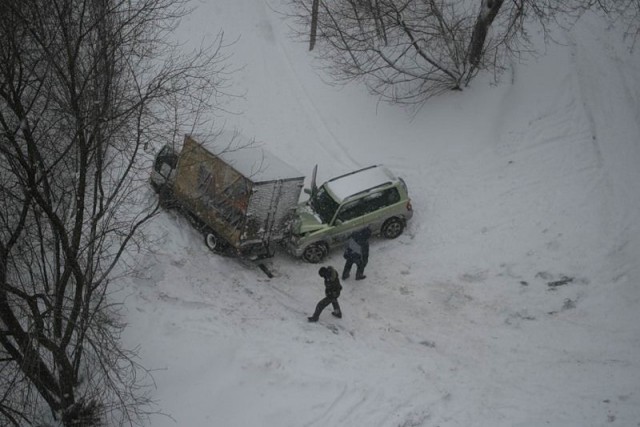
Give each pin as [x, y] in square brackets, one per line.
[211, 240]
[315, 252]
[214, 242]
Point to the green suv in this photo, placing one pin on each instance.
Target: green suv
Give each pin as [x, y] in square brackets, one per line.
[372, 197]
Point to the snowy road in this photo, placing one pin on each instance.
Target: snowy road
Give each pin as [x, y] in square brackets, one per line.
[515, 187]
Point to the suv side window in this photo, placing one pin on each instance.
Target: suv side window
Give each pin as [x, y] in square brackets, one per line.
[381, 199]
[352, 210]
[369, 204]
[390, 197]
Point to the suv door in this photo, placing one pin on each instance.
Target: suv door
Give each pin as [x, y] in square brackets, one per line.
[348, 219]
[371, 210]
[380, 206]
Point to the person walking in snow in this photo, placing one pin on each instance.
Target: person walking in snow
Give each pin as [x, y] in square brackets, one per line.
[332, 292]
[356, 252]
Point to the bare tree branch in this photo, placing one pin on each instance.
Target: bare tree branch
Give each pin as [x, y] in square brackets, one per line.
[410, 50]
[85, 87]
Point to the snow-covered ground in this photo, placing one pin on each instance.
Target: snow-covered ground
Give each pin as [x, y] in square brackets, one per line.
[515, 186]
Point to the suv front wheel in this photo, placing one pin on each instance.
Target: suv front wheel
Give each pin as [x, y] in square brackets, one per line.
[315, 252]
[392, 228]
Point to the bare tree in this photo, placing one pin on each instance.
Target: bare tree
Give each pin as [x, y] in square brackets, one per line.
[409, 50]
[625, 13]
[85, 85]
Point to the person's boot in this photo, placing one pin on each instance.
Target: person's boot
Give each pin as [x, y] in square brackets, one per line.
[337, 314]
[360, 277]
[312, 319]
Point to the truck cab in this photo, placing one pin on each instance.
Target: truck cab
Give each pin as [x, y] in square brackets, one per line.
[164, 168]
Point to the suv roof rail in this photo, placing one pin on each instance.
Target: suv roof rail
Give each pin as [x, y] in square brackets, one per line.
[368, 190]
[354, 172]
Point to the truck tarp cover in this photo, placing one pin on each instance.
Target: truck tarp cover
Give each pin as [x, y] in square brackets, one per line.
[244, 193]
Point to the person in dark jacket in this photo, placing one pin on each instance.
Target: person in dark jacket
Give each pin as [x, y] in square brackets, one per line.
[332, 292]
[356, 252]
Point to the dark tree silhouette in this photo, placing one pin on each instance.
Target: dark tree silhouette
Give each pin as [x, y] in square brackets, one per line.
[409, 50]
[85, 85]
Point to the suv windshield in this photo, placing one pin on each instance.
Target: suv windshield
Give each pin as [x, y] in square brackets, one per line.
[324, 205]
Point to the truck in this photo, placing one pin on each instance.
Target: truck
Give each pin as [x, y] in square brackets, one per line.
[239, 195]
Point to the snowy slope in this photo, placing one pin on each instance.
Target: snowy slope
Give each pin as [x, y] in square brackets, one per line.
[515, 186]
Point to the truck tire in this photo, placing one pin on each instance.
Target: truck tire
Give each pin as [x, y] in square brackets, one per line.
[315, 252]
[214, 242]
[165, 196]
[392, 228]
[167, 201]
[155, 186]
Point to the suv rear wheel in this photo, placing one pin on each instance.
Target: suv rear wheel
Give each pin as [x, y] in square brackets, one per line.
[315, 252]
[392, 228]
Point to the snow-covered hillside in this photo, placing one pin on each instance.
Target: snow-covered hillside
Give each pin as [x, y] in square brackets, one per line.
[516, 187]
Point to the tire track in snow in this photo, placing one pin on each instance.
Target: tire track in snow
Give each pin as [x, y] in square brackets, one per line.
[581, 98]
[604, 108]
[338, 151]
[321, 419]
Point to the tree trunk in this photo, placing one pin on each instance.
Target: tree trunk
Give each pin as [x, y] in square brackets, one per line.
[314, 23]
[488, 12]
